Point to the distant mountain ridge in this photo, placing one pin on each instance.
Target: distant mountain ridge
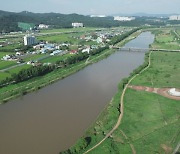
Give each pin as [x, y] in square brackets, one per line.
[9, 20]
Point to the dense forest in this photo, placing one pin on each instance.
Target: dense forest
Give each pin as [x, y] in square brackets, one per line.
[9, 20]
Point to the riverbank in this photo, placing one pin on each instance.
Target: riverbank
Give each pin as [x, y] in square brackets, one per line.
[107, 122]
[22, 88]
[146, 116]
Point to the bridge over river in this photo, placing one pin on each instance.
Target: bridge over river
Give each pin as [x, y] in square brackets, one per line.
[135, 49]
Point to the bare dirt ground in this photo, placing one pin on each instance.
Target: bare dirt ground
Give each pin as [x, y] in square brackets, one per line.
[160, 91]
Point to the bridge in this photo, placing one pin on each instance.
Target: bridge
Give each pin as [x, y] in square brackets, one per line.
[135, 49]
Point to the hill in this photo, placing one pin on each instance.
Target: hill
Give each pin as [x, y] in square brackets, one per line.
[9, 20]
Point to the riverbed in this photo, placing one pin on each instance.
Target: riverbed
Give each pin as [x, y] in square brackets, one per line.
[52, 119]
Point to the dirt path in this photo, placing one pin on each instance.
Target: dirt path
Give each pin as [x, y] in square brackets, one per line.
[121, 110]
[160, 91]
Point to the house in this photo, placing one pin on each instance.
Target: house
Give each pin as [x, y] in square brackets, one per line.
[86, 50]
[55, 52]
[7, 57]
[43, 51]
[73, 52]
[99, 40]
[19, 53]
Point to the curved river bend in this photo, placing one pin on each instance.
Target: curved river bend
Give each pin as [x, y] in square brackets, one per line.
[52, 119]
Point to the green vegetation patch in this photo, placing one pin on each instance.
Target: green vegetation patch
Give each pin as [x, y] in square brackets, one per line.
[163, 72]
[25, 26]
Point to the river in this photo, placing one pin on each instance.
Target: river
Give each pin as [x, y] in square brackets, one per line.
[52, 119]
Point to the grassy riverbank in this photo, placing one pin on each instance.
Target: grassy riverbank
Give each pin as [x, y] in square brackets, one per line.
[15, 90]
[150, 123]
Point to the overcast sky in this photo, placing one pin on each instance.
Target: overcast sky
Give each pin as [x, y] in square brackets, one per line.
[106, 7]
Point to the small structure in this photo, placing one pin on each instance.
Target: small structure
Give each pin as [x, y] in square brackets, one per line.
[174, 92]
[76, 25]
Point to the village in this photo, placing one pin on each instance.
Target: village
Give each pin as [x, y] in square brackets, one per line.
[41, 50]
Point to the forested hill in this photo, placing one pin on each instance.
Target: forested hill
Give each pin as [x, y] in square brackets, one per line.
[9, 20]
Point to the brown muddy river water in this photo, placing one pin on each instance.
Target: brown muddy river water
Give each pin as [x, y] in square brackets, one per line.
[53, 118]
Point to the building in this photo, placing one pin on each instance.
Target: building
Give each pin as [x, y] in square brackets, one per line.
[29, 40]
[174, 17]
[88, 49]
[99, 40]
[118, 18]
[76, 25]
[43, 26]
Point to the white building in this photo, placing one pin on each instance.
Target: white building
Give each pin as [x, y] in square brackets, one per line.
[174, 92]
[99, 40]
[174, 17]
[29, 40]
[118, 18]
[86, 50]
[76, 25]
[43, 26]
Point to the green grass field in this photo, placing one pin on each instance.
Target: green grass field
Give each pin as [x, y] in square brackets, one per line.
[164, 71]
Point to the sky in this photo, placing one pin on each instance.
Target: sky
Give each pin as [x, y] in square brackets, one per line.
[95, 7]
